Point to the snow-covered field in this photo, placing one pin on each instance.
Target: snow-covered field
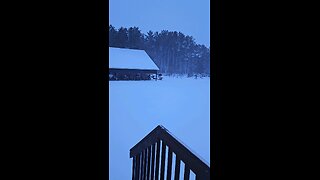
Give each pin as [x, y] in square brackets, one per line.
[182, 105]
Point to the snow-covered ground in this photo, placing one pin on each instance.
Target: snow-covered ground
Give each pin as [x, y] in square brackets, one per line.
[182, 105]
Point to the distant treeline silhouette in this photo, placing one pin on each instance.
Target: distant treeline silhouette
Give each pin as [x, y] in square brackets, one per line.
[173, 52]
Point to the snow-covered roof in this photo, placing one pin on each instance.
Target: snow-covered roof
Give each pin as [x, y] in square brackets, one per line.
[121, 58]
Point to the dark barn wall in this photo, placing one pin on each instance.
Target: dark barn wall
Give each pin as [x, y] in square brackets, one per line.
[131, 74]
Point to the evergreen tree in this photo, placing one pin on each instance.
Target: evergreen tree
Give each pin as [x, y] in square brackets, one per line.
[112, 36]
[121, 39]
[135, 38]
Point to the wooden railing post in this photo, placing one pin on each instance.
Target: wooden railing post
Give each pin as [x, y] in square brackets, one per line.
[163, 158]
[157, 160]
[133, 167]
[148, 167]
[169, 163]
[177, 169]
[137, 167]
[152, 160]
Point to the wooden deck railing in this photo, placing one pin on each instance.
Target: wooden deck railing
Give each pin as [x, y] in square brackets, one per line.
[148, 162]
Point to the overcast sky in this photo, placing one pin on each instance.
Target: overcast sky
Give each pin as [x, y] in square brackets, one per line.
[191, 17]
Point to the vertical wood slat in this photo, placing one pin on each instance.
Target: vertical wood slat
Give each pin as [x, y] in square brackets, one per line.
[152, 161]
[186, 172]
[163, 159]
[149, 157]
[133, 167]
[157, 160]
[142, 165]
[137, 168]
[177, 168]
[145, 164]
[169, 168]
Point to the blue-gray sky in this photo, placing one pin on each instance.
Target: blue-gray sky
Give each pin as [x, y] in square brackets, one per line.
[191, 17]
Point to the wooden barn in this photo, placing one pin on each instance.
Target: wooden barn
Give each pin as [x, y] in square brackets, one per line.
[131, 64]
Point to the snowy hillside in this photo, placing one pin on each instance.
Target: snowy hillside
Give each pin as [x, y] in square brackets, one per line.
[182, 105]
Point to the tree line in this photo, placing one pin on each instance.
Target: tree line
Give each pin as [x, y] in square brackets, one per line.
[172, 51]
